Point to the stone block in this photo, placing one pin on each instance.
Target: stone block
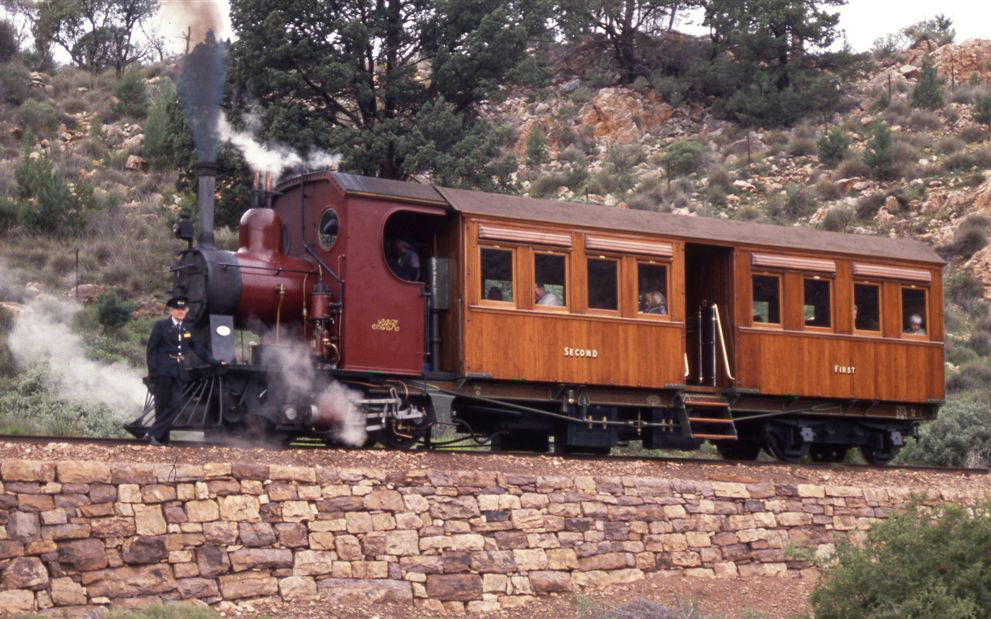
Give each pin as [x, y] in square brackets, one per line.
[25, 573]
[248, 585]
[260, 558]
[149, 520]
[205, 510]
[452, 508]
[125, 582]
[348, 591]
[158, 493]
[278, 472]
[23, 526]
[144, 550]
[17, 601]
[730, 490]
[35, 502]
[528, 559]
[212, 561]
[83, 472]
[115, 526]
[129, 493]
[607, 561]
[494, 583]
[545, 581]
[527, 519]
[384, 500]
[239, 507]
[562, 559]
[11, 548]
[402, 543]
[454, 587]
[27, 470]
[67, 592]
[291, 534]
[294, 588]
[255, 534]
[811, 491]
[600, 579]
[315, 563]
[83, 555]
[198, 589]
[220, 532]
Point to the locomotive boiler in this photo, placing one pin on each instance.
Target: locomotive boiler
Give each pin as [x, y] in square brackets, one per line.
[537, 325]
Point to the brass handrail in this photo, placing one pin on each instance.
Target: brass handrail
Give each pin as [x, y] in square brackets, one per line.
[722, 342]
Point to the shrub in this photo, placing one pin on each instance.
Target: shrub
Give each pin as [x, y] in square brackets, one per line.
[837, 219]
[832, 147]
[982, 109]
[948, 145]
[8, 41]
[851, 167]
[719, 177]
[869, 205]
[878, 155]
[798, 202]
[927, 93]
[40, 118]
[960, 435]
[536, 148]
[682, 158]
[48, 204]
[15, 83]
[923, 120]
[8, 214]
[827, 189]
[801, 146]
[918, 564]
[970, 237]
[973, 133]
[111, 313]
[131, 95]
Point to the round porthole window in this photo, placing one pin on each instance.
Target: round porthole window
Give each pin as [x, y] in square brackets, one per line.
[329, 226]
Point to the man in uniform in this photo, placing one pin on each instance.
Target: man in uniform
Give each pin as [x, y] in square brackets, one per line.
[168, 347]
[407, 261]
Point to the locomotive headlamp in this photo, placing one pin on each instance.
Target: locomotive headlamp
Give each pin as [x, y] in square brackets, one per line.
[290, 413]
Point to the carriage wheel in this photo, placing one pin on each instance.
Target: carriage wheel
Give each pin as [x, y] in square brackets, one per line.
[878, 457]
[828, 453]
[738, 450]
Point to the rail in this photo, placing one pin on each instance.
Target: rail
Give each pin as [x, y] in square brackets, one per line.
[722, 342]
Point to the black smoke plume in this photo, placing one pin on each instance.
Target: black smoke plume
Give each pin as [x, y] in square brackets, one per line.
[201, 90]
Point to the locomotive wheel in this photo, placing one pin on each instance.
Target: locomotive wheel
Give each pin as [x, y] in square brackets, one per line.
[878, 457]
[828, 453]
[738, 450]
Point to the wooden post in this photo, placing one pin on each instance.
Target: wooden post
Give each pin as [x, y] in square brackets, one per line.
[749, 159]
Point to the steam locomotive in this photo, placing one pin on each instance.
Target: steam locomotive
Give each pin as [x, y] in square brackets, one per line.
[664, 329]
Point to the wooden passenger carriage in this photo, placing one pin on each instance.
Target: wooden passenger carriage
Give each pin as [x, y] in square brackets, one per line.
[756, 341]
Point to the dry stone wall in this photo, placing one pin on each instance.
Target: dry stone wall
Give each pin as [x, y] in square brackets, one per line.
[82, 534]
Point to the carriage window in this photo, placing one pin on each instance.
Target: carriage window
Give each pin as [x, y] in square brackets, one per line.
[866, 307]
[767, 299]
[652, 287]
[602, 284]
[914, 311]
[328, 229]
[549, 280]
[497, 274]
[816, 304]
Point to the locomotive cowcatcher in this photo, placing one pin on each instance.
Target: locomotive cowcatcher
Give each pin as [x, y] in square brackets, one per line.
[665, 329]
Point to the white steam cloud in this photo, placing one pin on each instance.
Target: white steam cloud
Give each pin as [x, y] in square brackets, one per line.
[276, 158]
[334, 406]
[43, 335]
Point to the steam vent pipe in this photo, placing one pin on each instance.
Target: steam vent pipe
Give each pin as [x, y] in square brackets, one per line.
[206, 172]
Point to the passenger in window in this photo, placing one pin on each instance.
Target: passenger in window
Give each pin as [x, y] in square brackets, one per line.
[494, 294]
[655, 303]
[915, 325]
[545, 297]
[407, 261]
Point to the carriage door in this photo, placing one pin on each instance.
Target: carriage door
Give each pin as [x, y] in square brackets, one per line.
[709, 311]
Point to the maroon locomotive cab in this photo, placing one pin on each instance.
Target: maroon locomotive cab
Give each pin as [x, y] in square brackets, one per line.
[384, 314]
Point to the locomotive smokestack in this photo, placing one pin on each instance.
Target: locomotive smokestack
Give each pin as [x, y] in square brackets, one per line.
[206, 172]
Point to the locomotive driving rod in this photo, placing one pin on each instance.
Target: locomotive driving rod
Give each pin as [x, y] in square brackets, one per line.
[528, 409]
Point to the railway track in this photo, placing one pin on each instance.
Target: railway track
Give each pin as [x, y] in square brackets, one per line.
[481, 454]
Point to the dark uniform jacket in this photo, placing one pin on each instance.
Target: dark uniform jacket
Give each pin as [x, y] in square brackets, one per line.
[169, 346]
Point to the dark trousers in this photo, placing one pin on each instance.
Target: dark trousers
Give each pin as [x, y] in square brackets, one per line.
[168, 397]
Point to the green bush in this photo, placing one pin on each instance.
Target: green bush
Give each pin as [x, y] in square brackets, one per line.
[131, 95]
[15, 83]
[878, 154]
[38, 117]
[851, 167]
[960, 435]
[927, 93]
[869, 205]
[982, 109]
[827, 189]
[8, 214]
[832, 147]
[837, 218]
[46, 203]
[919, 564]
[970, 237]
[682, 158]
[50, 415]
[8, 41]
[111, 312]
[536, 148]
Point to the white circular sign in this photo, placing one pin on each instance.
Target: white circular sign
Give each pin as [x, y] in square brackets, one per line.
[223, 330]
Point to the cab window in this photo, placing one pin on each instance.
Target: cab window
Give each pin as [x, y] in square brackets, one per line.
[652, 288]
[914, 311]
[816, 306]
[602, 290]
[550, 275]
[866, 307]
[497, 274]
[767, 299]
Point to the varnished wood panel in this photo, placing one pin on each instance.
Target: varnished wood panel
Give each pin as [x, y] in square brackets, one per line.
[798, 364]
[530, 345]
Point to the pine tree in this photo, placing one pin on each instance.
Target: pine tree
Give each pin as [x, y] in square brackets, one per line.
[832, 146]
[878, 155]
[982, 109]
[927, 93]
[536, 148]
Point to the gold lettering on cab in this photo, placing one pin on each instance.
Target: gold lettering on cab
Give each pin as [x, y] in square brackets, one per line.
[589, 353]
[386, 324]
[844, 369]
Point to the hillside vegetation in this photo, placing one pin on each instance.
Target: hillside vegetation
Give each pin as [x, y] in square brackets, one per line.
[96, 159]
